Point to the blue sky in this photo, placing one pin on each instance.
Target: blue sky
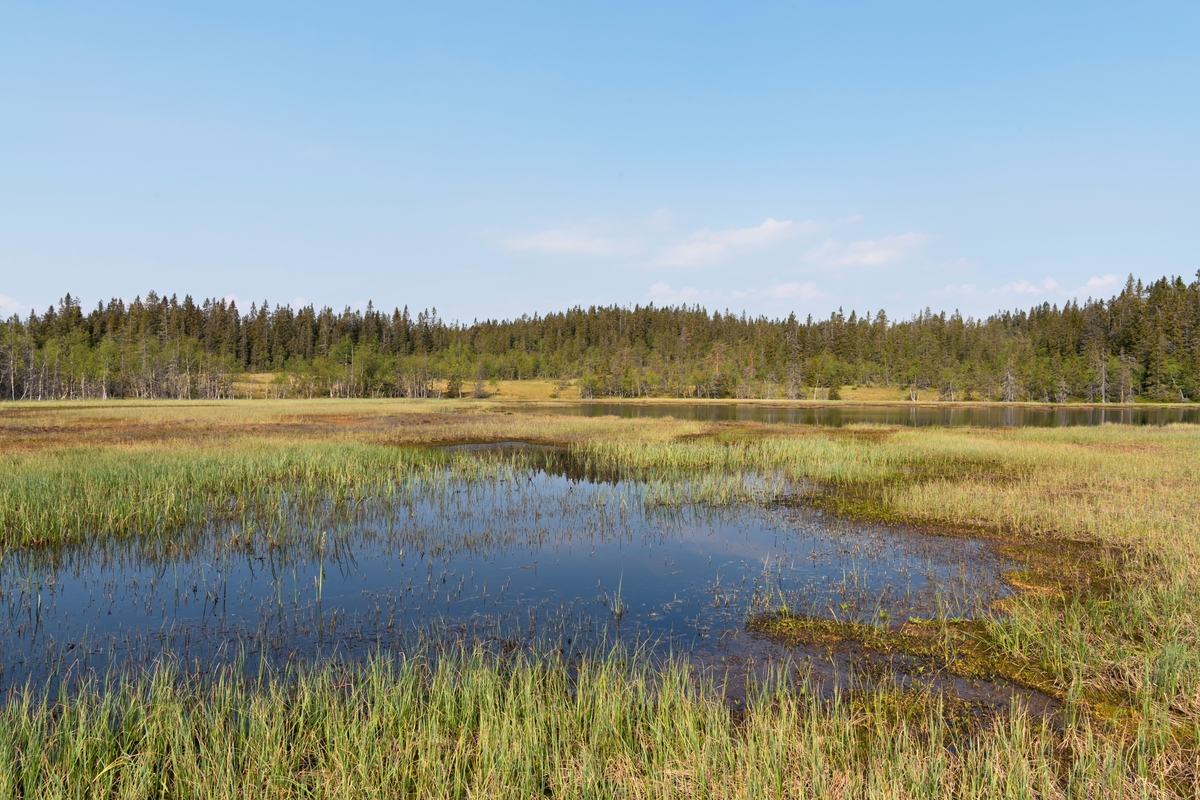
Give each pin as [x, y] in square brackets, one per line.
[493, 160]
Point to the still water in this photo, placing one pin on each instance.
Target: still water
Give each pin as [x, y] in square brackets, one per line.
[535, 553]
[910, 415]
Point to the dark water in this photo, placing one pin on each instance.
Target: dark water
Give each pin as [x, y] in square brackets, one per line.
[529, 554]
[915, 415]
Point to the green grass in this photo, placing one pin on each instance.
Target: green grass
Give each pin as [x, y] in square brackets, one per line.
[476, 725]
[1106, 519]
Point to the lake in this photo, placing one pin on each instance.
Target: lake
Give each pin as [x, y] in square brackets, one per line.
[910, 415]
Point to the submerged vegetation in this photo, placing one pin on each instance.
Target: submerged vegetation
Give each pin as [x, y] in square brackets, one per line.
[1101, 525]
[1142, 344]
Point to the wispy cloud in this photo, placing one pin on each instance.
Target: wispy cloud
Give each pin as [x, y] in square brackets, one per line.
[961, 290]
[662, 292]
[1099, 286]
[9, 306]
[568, 241]
[1022, 287]
[1096, 286]
[1025, 287]
[784, 291]
[707, 246]
[595, 237]
[653, 232]
[868, 252]
[662, 218]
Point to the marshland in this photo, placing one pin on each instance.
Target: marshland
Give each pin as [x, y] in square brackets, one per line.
[569, 400]
[460, 598]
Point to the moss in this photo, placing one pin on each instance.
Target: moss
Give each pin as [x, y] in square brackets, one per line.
[960, 648]
[1064, 568]
[965, 649]
[820, 632]
[1055, 574]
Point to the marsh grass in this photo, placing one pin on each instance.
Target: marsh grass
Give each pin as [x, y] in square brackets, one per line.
[467, 724]
[1113, 614]
[1110, 625]
[72, 496]
[269, 492]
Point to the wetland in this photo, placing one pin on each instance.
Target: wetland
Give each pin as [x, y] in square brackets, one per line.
[591, 606]
[523, 547]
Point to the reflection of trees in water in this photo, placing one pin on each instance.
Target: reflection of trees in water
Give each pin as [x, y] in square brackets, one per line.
[915, 415]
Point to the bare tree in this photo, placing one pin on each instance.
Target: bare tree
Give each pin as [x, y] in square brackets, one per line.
[794, 382]
[1008, 386]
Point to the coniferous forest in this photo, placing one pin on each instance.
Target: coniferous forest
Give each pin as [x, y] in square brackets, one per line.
[1142, 344]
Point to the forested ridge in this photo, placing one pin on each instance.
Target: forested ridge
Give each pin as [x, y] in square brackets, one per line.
[1142, 344]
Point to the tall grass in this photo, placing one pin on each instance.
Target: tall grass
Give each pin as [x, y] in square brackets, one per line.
[1133, 649]
[100, 496]
[80, 495]
[1121, 648]
[467, 725]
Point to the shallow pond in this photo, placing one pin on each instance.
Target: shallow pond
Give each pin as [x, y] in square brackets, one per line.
[529, 554]
[910, 415]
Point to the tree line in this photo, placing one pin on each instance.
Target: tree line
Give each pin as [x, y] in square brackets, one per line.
[1141, 344]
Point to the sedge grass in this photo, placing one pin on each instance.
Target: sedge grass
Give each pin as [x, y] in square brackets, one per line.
[469, 725]
[1127, 658]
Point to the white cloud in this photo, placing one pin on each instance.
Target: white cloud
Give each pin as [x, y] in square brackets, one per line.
[1109, 281]
[707, 246]
[1099, 286]
[568, 241]
[868, 252]
[663, 293]
[1025, 287]
[661, 218]
[8, 306]
[624, 237]
[801, 291]
[1095, 287]
[784, 291]
[1022, 287]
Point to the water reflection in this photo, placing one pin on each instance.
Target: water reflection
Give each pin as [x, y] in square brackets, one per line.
[910, 415]
[533, 552]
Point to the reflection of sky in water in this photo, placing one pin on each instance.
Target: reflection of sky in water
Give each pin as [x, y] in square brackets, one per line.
[538, 555]
[977, 415]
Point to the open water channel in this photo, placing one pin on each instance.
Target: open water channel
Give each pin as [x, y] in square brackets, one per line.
[533, 554]
[912, 415]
